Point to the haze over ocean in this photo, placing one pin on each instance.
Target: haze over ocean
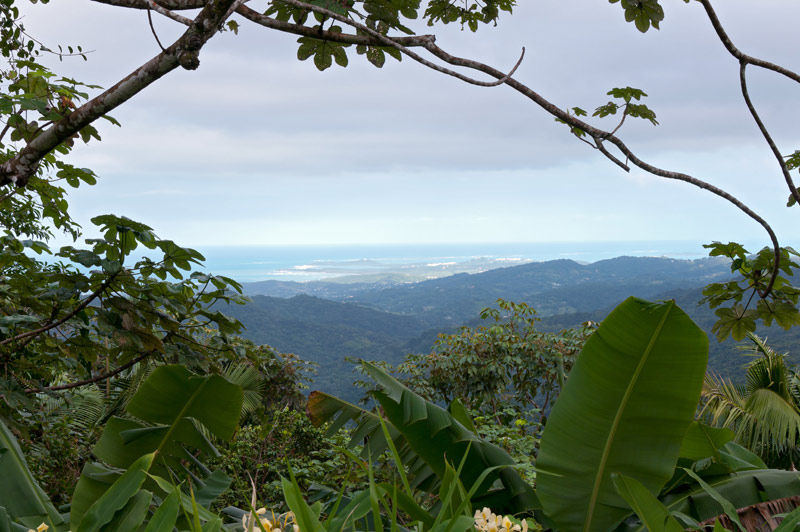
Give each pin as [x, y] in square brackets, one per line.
[308, 263]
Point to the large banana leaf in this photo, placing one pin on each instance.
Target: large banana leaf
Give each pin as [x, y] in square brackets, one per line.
[324, 408]
[21, 497]
[629, 400]
[172, 407]
[435, 436]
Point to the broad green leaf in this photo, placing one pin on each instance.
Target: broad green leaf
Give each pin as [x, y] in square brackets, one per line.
[163, 520]
[625, 409]
[117, 496]
[173, 392]
[741, 489]
[702, 441]
[726, 505]
[435, 436]
[131, 517]
[653, 514]
[20, 495]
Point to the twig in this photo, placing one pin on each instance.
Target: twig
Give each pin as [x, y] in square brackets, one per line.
[599, 144]
[92, 380]
[153, 29]
[152, 4]
[85, 303]
[388, 41]
[738, 54]
[604, 135]
[761, 127]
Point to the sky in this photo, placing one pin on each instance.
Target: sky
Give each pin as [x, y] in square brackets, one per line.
[258, 148]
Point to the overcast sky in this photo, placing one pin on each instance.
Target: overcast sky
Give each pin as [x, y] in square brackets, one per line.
[259, 148]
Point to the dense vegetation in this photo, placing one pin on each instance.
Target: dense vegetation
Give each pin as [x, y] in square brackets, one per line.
[129, 395]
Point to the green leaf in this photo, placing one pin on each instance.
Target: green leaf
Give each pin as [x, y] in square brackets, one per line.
[131, 517]
[435, 436]
[651, 511]
[636, 385]
[20, 495]
[727, 506]
[172, 393]
[702, 441]
[734, 321]
[117, 496]
[164, 518]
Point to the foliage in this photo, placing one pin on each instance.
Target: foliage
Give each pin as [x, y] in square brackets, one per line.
[753, 278]
[508, 362]
[265, 452]
[765, 411]
[170, 415]
[636, 385]
[638, 380]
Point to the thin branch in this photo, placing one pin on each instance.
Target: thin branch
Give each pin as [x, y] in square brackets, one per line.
[787, 177]
[172, 5]
[599, 144]
[344, 38]
[183, 52]
[152, 4]
[153, 29]
[388, 41]
[624, 116]
[604, 135]
[83, 304]
[738, 54]
[98, 378]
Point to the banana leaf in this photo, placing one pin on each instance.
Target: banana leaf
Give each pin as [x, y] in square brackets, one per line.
[323, 408]
[435, 436]
[173, 406]
[625, 409]
[20, 496]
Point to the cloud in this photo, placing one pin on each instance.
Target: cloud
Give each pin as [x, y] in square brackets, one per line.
[256, 139]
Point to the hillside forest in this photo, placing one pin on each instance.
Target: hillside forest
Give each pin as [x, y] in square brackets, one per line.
[132, 398]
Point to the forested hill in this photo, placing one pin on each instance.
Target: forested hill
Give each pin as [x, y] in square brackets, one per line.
[553, 287]
[388, 322]
[326, 332]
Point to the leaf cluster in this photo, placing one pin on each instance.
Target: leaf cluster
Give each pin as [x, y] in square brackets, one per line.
[733, 299]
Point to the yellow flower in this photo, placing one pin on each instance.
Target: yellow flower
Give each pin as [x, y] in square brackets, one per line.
[40, 528]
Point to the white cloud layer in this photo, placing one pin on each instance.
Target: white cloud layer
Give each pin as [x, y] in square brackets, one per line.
[258, 148]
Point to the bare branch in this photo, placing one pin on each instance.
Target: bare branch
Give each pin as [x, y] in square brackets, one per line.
[604, 135]
[153, 29]
[74, 312]
[761, 127]
[151, 4]
[98, 378]
[738, 54]
[183, 52]
[599, 145]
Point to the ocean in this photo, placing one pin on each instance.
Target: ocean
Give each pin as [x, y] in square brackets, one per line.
[309, 263]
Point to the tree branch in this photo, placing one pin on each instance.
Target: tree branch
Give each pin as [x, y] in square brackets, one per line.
[389, 41]
[738, 54]
[183, 52]
[344, 38]
[171, 5]
[98, 378]
[604, 135]
[83, 304]
[787, 177]
[152, 4]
